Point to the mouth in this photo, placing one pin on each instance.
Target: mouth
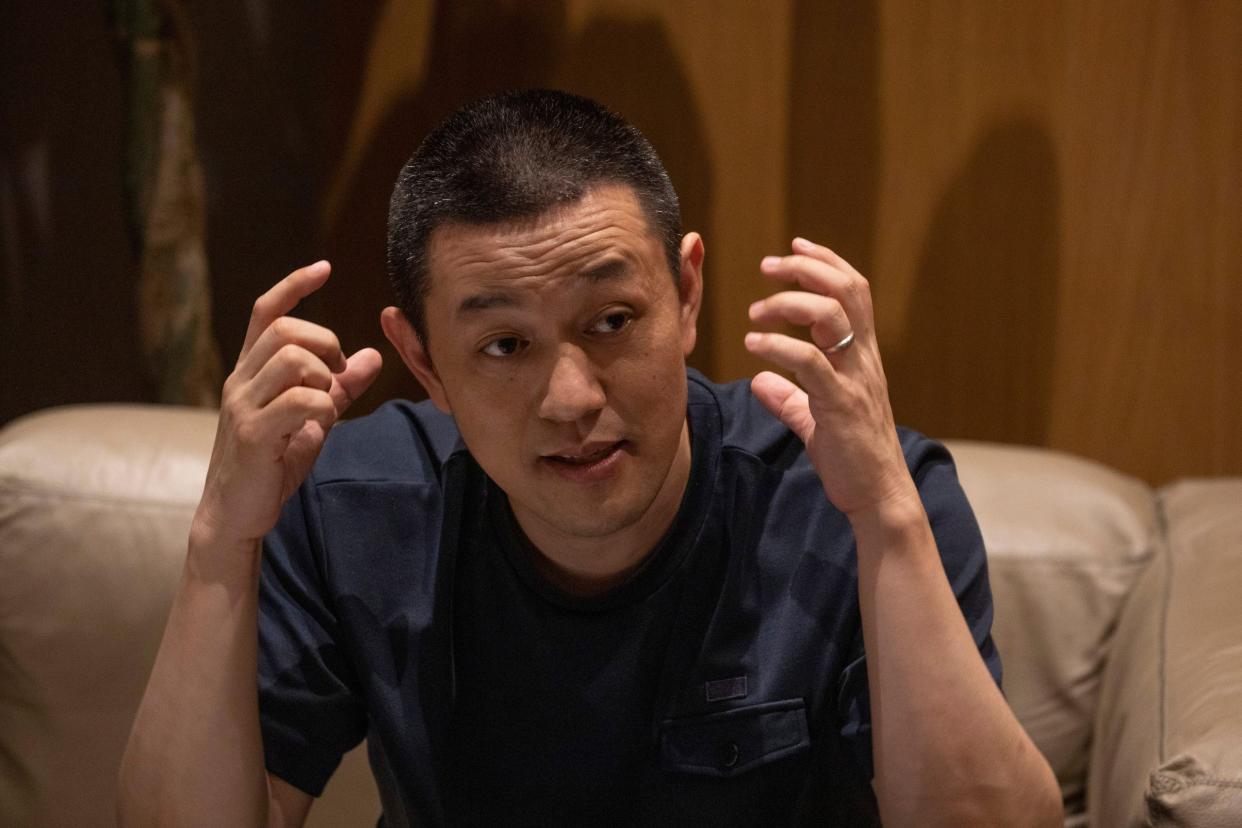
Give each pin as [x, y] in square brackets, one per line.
[586, 463]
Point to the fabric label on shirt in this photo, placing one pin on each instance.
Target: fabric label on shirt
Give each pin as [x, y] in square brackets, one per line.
[725, 689]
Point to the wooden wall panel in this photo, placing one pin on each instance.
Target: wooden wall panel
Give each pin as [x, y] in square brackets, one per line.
[967, 269]
[1058, 237]
[722, 71]
[68, 274]
[1149, 376]
[1047, 197]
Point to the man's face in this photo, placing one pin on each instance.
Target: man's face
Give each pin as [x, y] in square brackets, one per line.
[558, 344]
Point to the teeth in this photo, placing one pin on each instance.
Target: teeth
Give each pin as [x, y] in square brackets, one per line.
[586, 458]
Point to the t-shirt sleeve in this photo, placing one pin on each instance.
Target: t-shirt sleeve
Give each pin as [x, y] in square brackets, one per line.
[965, 562]
[310, 709]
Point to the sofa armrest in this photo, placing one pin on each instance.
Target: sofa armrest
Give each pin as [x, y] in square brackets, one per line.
[95, 509]
[1167, 746]
[1067, 540]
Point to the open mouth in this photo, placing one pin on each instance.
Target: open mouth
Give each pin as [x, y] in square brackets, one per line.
[595, 464]
[587, 458]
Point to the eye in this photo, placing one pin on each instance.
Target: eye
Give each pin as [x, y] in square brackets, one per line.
[505, 346]
[612, 323]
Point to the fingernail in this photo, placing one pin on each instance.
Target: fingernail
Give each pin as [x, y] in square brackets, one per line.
[752, 339]
[756, 307]
[770, 261]
[803, 242]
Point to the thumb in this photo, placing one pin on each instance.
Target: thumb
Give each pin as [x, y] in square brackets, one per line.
[361, 369]
[786, 401]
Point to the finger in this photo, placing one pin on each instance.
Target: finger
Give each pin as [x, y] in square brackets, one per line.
[282, 298]
[824, 315]
[802, 359]
[787, 402]
[289, 330]
[276, 422]
[817, 276]
[824, 254]
[347, 386]
[295, 406]
[291, 366]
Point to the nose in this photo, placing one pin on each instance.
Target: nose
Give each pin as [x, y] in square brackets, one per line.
[573, 390]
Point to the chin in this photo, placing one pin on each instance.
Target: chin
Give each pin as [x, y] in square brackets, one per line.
[593, 525]
[591, 520]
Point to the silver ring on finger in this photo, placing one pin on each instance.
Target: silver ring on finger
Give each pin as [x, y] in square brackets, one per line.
[846, 341]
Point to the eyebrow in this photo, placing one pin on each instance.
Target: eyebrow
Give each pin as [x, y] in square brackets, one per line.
[485, 301]
[611, 269]
[602, 272]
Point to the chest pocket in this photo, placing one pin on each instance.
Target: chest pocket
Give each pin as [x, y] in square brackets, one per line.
[734, 741]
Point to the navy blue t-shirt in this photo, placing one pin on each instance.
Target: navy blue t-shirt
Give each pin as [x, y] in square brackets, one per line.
[724, 681]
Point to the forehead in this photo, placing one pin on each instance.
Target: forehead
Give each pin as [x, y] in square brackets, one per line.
[586, 237]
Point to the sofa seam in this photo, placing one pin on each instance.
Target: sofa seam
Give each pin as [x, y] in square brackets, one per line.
[1166, 551]
[1065, 549]
[1068, 561]
[36, 493]
[1201, 782]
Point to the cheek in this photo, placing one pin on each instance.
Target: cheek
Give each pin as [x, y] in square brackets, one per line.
[662, 359]
[654, 393]
[487, 386]
[498, 444]
[490, 409]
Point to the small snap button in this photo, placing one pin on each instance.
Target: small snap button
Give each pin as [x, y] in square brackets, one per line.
[730, 754]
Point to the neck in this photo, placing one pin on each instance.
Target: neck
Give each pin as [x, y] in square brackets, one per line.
[587, 566]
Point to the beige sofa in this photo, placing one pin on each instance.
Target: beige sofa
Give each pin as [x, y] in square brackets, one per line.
[1118, 616]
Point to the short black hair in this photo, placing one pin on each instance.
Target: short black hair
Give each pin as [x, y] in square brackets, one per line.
[517, 155]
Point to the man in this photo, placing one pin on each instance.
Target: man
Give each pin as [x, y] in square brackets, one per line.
[580, 585]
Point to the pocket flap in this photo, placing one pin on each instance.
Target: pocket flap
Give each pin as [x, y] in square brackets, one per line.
[734, 741]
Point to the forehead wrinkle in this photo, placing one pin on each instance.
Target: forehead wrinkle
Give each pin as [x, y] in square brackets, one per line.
[597, 208]
[510, 263]
[590, 231]
[563, 256]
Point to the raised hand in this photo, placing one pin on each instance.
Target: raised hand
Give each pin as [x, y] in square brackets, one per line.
[290, 385]
[840, 407]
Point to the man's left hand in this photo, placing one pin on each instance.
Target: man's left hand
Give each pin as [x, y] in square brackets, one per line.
[840, 407]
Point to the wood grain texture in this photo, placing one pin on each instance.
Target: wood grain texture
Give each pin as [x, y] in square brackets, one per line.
[1058, 236]
[724, 67]
[1046, 196]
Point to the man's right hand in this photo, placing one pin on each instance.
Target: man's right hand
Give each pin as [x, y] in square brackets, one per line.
[195, 754]
[291, 384]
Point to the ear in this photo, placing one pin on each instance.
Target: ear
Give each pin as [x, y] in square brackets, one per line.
[413, 353]
[690, 289]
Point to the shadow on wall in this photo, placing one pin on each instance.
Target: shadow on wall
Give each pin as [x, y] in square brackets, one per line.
[977, 352]
[526, 45]
[68, 312]
[834, 127]
[623, 63]
[520, 44]
[259, 119]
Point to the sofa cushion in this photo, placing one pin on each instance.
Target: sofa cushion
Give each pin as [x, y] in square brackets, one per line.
[1166, 748]
[1067, 538]
[95, 508]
